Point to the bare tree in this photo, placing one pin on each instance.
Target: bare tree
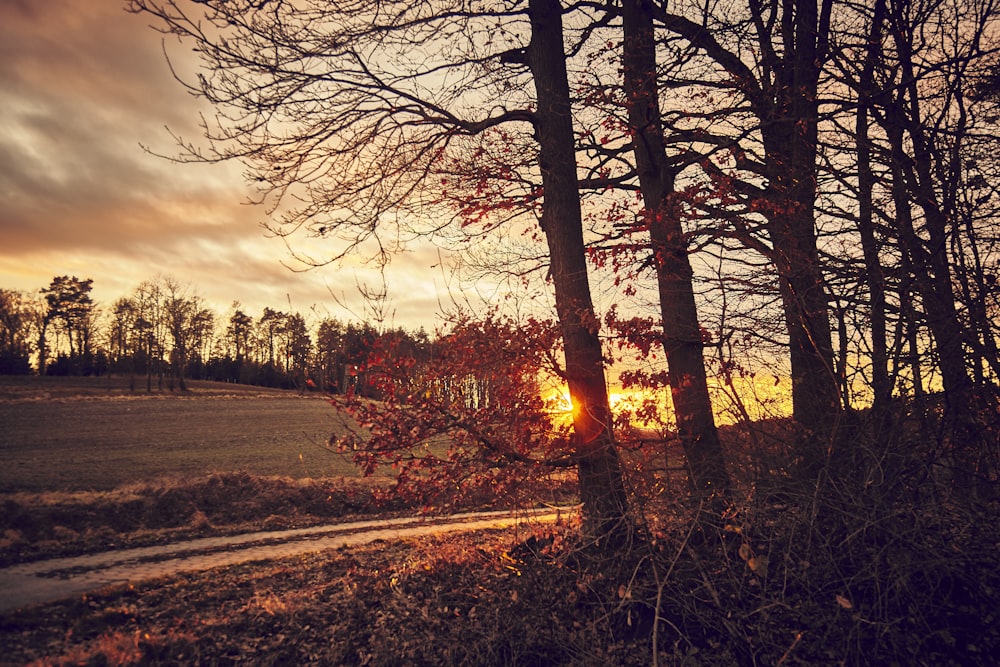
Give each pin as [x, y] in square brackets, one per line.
[357, 111]
[184, 315]
[682, 334]
[771, 56]
[16, 332]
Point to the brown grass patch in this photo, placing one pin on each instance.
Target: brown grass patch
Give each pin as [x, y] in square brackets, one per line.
[38, 525]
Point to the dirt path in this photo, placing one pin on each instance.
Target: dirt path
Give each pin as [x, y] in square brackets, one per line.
[30, 584]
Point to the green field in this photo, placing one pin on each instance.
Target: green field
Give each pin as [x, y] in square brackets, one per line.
[71, 434]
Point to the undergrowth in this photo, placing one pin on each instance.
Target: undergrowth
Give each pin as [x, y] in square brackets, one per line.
[901, 594]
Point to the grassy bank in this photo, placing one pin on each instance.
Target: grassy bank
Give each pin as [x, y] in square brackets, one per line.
[51, 524]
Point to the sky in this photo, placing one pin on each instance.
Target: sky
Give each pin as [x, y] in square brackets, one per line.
[84, 87]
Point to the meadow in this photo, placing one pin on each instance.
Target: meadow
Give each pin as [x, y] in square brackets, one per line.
[92, 434]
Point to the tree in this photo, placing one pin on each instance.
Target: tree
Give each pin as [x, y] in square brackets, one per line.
[385, 126]
[925, 115]
[778, 79]
[682, 334]
[151, 330]
[16, 326]
[296, 346]
[269, 326]
[359, 340]
[200, 331]
[185, 318]
[124, 342]
[71, 311]
[477, 427]
[867, 90]
[329, 354]
[238, 333]
[601, 487]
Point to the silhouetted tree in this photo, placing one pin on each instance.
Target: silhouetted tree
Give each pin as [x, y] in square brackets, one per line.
[386, 128]
[16, 332]
[70, 311]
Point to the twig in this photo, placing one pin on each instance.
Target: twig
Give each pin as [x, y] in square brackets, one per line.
[798, 637]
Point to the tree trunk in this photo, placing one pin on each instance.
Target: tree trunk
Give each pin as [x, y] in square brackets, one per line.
[789, 131]
[976, 289]
[602, 490]
[881, 384]
[43, 346]
[682, 339]
[931, 272]
[815, 396]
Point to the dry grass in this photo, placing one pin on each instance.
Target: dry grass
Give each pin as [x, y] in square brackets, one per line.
[95, 445]
[42, 525]
[506, 598]
[467, 600]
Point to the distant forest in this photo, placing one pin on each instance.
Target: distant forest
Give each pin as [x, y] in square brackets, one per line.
[163, 334]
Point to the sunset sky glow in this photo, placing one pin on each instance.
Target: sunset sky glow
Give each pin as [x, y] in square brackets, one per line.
[85, 86]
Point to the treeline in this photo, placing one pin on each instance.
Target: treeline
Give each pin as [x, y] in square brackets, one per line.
[163, 333]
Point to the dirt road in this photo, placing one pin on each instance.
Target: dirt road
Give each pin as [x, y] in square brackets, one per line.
[36, 583]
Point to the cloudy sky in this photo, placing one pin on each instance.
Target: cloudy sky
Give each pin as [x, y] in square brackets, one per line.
[83, 84]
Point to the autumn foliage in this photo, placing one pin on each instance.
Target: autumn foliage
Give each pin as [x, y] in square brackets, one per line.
[469, 421]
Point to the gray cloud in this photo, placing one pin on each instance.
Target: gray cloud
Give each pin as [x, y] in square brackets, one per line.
[85, 83]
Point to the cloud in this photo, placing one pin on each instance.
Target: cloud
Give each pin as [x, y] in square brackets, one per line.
[86, 85]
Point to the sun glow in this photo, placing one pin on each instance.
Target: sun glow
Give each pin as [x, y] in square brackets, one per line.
[740, 399]
[633, 403]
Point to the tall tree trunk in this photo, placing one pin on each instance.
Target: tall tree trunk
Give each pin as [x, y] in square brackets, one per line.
[881, 384]
[931, 272]
[789, 131]
[602, 488]
[783, 94]
[682, 339]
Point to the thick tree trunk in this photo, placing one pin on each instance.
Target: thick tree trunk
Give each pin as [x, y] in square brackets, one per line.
[602, 489]
[789, 130]
[816, 403]
[682, 340]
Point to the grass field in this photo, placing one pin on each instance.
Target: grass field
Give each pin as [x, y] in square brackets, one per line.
[32, 387]
[72, 434]
[86, 464]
